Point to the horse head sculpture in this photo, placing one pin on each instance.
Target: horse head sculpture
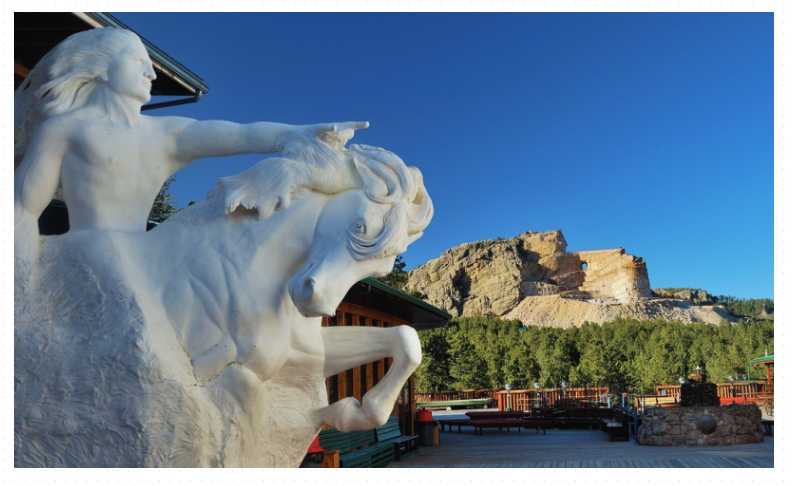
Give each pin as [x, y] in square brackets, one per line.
[380, 206]
[362, 232]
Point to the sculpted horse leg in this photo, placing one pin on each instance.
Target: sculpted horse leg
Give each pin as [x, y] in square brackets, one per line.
[347, 347]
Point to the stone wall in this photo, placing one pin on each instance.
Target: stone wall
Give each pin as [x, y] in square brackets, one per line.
[696, 426]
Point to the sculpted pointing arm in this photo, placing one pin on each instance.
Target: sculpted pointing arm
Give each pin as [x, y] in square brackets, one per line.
[198, 139]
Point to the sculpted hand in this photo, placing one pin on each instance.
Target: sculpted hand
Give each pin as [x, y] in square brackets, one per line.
[336, 134]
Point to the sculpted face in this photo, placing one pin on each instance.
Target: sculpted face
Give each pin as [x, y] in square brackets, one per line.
[131, 72]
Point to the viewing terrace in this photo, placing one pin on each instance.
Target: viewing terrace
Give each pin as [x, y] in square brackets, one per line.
[574, 448]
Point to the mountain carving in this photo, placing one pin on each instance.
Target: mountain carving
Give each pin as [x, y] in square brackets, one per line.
[533, 278]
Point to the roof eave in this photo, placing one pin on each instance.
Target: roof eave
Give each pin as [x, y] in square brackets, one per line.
[162, 61]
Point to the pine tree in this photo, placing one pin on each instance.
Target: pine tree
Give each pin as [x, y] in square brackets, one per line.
[164, 204]
[398, 277]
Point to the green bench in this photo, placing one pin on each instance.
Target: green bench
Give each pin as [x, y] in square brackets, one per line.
[404, 445]
[376, 447]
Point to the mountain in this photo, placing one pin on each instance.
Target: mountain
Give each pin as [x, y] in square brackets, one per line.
[533, 278]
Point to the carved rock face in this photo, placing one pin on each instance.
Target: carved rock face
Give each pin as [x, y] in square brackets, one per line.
[533, 278]
[706, 424]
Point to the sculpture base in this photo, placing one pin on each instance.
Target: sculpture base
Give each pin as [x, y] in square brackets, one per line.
[100, 380]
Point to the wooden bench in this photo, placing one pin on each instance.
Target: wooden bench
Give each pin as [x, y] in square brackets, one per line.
[578, 422]
[451, 422]
[538, 423]
[404, 445]
[496, 414]
[481, 424]
[617, 427]
[590, 412]
[354, 449]
[546, 412]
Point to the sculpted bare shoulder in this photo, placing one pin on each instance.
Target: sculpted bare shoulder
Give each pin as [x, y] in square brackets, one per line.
[53, 129]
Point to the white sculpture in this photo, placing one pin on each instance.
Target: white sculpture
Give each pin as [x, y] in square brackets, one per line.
[78, 125]
[200, 343]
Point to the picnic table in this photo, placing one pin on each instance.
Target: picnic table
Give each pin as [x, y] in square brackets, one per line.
[498, 419]
[451, 404]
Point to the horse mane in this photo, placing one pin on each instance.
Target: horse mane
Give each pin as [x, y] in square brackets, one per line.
[309, 164]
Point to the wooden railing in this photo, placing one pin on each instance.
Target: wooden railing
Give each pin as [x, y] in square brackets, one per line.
[749, 389]
[642, 401]
[549, 397]
[521, 399]
[443, 396]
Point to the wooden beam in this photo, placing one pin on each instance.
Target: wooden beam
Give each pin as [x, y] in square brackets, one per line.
[20, 70]
[342, 380]
[374, 314]
[382, 365]
[370, 376]
[356, 371]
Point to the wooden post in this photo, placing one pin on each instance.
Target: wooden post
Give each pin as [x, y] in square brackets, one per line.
[412, 402]
[768, 378]
[330, 459]
[342, 377]
[356, 371]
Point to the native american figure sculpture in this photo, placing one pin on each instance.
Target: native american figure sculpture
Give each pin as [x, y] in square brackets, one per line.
[198, 343]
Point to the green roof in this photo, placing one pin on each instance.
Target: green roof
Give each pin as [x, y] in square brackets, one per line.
[763, 360]
[373, 294]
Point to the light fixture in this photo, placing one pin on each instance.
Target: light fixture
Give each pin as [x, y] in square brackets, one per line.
[508, 387]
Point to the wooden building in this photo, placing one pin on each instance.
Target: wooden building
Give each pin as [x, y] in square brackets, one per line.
[373, 303]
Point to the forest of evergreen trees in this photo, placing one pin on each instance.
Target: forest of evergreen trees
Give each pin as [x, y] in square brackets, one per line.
[625, 354]
[747, 307]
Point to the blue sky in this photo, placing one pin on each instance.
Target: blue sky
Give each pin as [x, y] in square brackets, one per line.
[651, 132]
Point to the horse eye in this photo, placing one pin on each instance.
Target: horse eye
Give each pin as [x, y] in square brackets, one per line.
[360, 227]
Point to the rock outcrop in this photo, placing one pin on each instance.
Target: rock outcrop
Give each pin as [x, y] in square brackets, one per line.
[533, 278]
[696, 296]
[556, 311]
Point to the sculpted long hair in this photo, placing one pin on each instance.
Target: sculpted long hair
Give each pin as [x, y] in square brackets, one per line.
[63, 80]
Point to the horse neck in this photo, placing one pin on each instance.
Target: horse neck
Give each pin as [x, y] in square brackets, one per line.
[263, 253]
[281, 243]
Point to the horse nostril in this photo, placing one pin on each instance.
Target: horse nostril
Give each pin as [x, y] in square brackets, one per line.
[308, 288]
